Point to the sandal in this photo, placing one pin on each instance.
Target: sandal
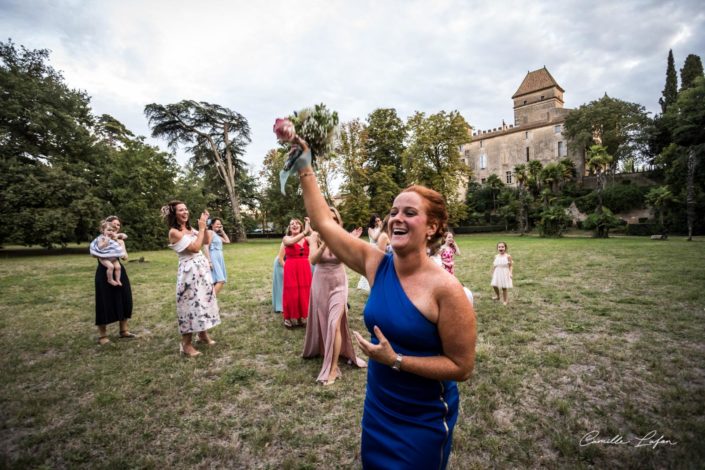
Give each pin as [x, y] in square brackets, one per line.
[287, 323]
[208, 340]
[182, 352]
[103, 340]
[127, 334]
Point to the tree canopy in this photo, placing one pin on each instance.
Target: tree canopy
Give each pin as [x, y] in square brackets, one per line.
[207, 129]
[621, 127]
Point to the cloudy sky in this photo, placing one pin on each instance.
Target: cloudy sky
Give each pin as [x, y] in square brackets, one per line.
[268, 58]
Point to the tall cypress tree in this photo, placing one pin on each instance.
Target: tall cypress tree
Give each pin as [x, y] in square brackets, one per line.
[692, 69]
[670, 90]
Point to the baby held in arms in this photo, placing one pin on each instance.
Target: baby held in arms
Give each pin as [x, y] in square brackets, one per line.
[108, 249]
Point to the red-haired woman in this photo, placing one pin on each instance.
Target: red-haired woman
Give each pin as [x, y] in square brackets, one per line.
[421, 324]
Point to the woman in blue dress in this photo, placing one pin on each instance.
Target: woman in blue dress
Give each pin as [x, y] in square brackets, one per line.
[278, 281]
[422, 328]
[214, 253]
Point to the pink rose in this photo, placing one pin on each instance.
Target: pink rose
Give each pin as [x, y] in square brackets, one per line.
[284, 129]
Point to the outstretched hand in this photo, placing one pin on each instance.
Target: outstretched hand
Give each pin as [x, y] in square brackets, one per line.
[357, 232]
[382, 352]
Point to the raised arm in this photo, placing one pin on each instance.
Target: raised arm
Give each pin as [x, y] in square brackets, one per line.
[224, 236]
[317, 247]
[356, 254]
[207, 248]
[195, 246]
[289, 240]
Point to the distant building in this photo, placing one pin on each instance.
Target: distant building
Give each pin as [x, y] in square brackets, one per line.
[537, 132]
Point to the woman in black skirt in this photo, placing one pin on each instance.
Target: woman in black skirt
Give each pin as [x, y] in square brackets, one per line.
[112, 303]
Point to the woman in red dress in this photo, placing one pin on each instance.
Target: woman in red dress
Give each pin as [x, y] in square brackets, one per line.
[297, 273]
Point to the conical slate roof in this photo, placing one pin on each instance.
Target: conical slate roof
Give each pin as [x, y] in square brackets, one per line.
[537, 80]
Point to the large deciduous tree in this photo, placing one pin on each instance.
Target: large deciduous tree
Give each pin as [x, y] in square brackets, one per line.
[50, 161]
[621, 127]
[433, 156]
[385, 147]
[274, 206]
[206, 128]
[352, 152]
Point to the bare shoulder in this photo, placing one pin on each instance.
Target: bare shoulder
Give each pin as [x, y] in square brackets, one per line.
[175, 235]
[445, 284]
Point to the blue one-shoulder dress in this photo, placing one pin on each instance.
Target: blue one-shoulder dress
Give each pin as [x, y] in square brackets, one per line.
[408, 420]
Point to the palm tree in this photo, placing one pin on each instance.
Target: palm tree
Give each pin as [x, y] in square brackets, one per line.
[495, 184]
[568, 171]
[522, 176]
[658, 198]
[551, 176]
[599, 162]
[534, 182]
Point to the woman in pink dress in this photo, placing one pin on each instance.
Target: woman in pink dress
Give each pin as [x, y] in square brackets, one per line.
[327, 331]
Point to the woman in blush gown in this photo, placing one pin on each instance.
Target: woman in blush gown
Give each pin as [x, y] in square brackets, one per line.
[327, 330]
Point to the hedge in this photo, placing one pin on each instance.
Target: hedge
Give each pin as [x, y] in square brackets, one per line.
[479, 229]
[643, 230]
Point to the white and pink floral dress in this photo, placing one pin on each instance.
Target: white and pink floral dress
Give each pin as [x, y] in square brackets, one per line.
[196, 305]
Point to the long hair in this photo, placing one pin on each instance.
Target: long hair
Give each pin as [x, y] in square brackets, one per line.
[288, 230]
[212, 221]
[435, 211]
[337, 215]
[169, 215]
[373, 221]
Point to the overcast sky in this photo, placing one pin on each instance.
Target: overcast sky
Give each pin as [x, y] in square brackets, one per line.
[266, 59]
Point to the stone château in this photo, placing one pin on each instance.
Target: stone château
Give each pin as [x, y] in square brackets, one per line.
[537, 132]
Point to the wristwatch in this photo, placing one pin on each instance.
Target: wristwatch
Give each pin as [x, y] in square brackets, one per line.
[397, 363]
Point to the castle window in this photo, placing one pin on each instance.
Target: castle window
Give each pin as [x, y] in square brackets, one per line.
[509, 177]
[526, 134]
[480, 144]
[527, 154]
[541, 97]
[483, 161]
[467, 153]
[557, 129]
[561, 149]
[483, 180]
[524, 101]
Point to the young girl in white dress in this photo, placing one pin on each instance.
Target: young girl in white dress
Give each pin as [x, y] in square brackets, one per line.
[502, 270]
[109, 250]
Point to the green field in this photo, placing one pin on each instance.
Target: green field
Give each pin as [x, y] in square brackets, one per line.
[600, 336]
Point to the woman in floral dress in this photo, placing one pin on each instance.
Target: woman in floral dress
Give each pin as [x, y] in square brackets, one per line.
[196, 304]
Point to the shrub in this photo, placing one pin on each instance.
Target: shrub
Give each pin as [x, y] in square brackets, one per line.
[479, 229]
[643, 230]
[618, 197]
[553, 222]
[602, 222]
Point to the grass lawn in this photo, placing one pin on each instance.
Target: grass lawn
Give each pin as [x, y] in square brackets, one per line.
[602, 336]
